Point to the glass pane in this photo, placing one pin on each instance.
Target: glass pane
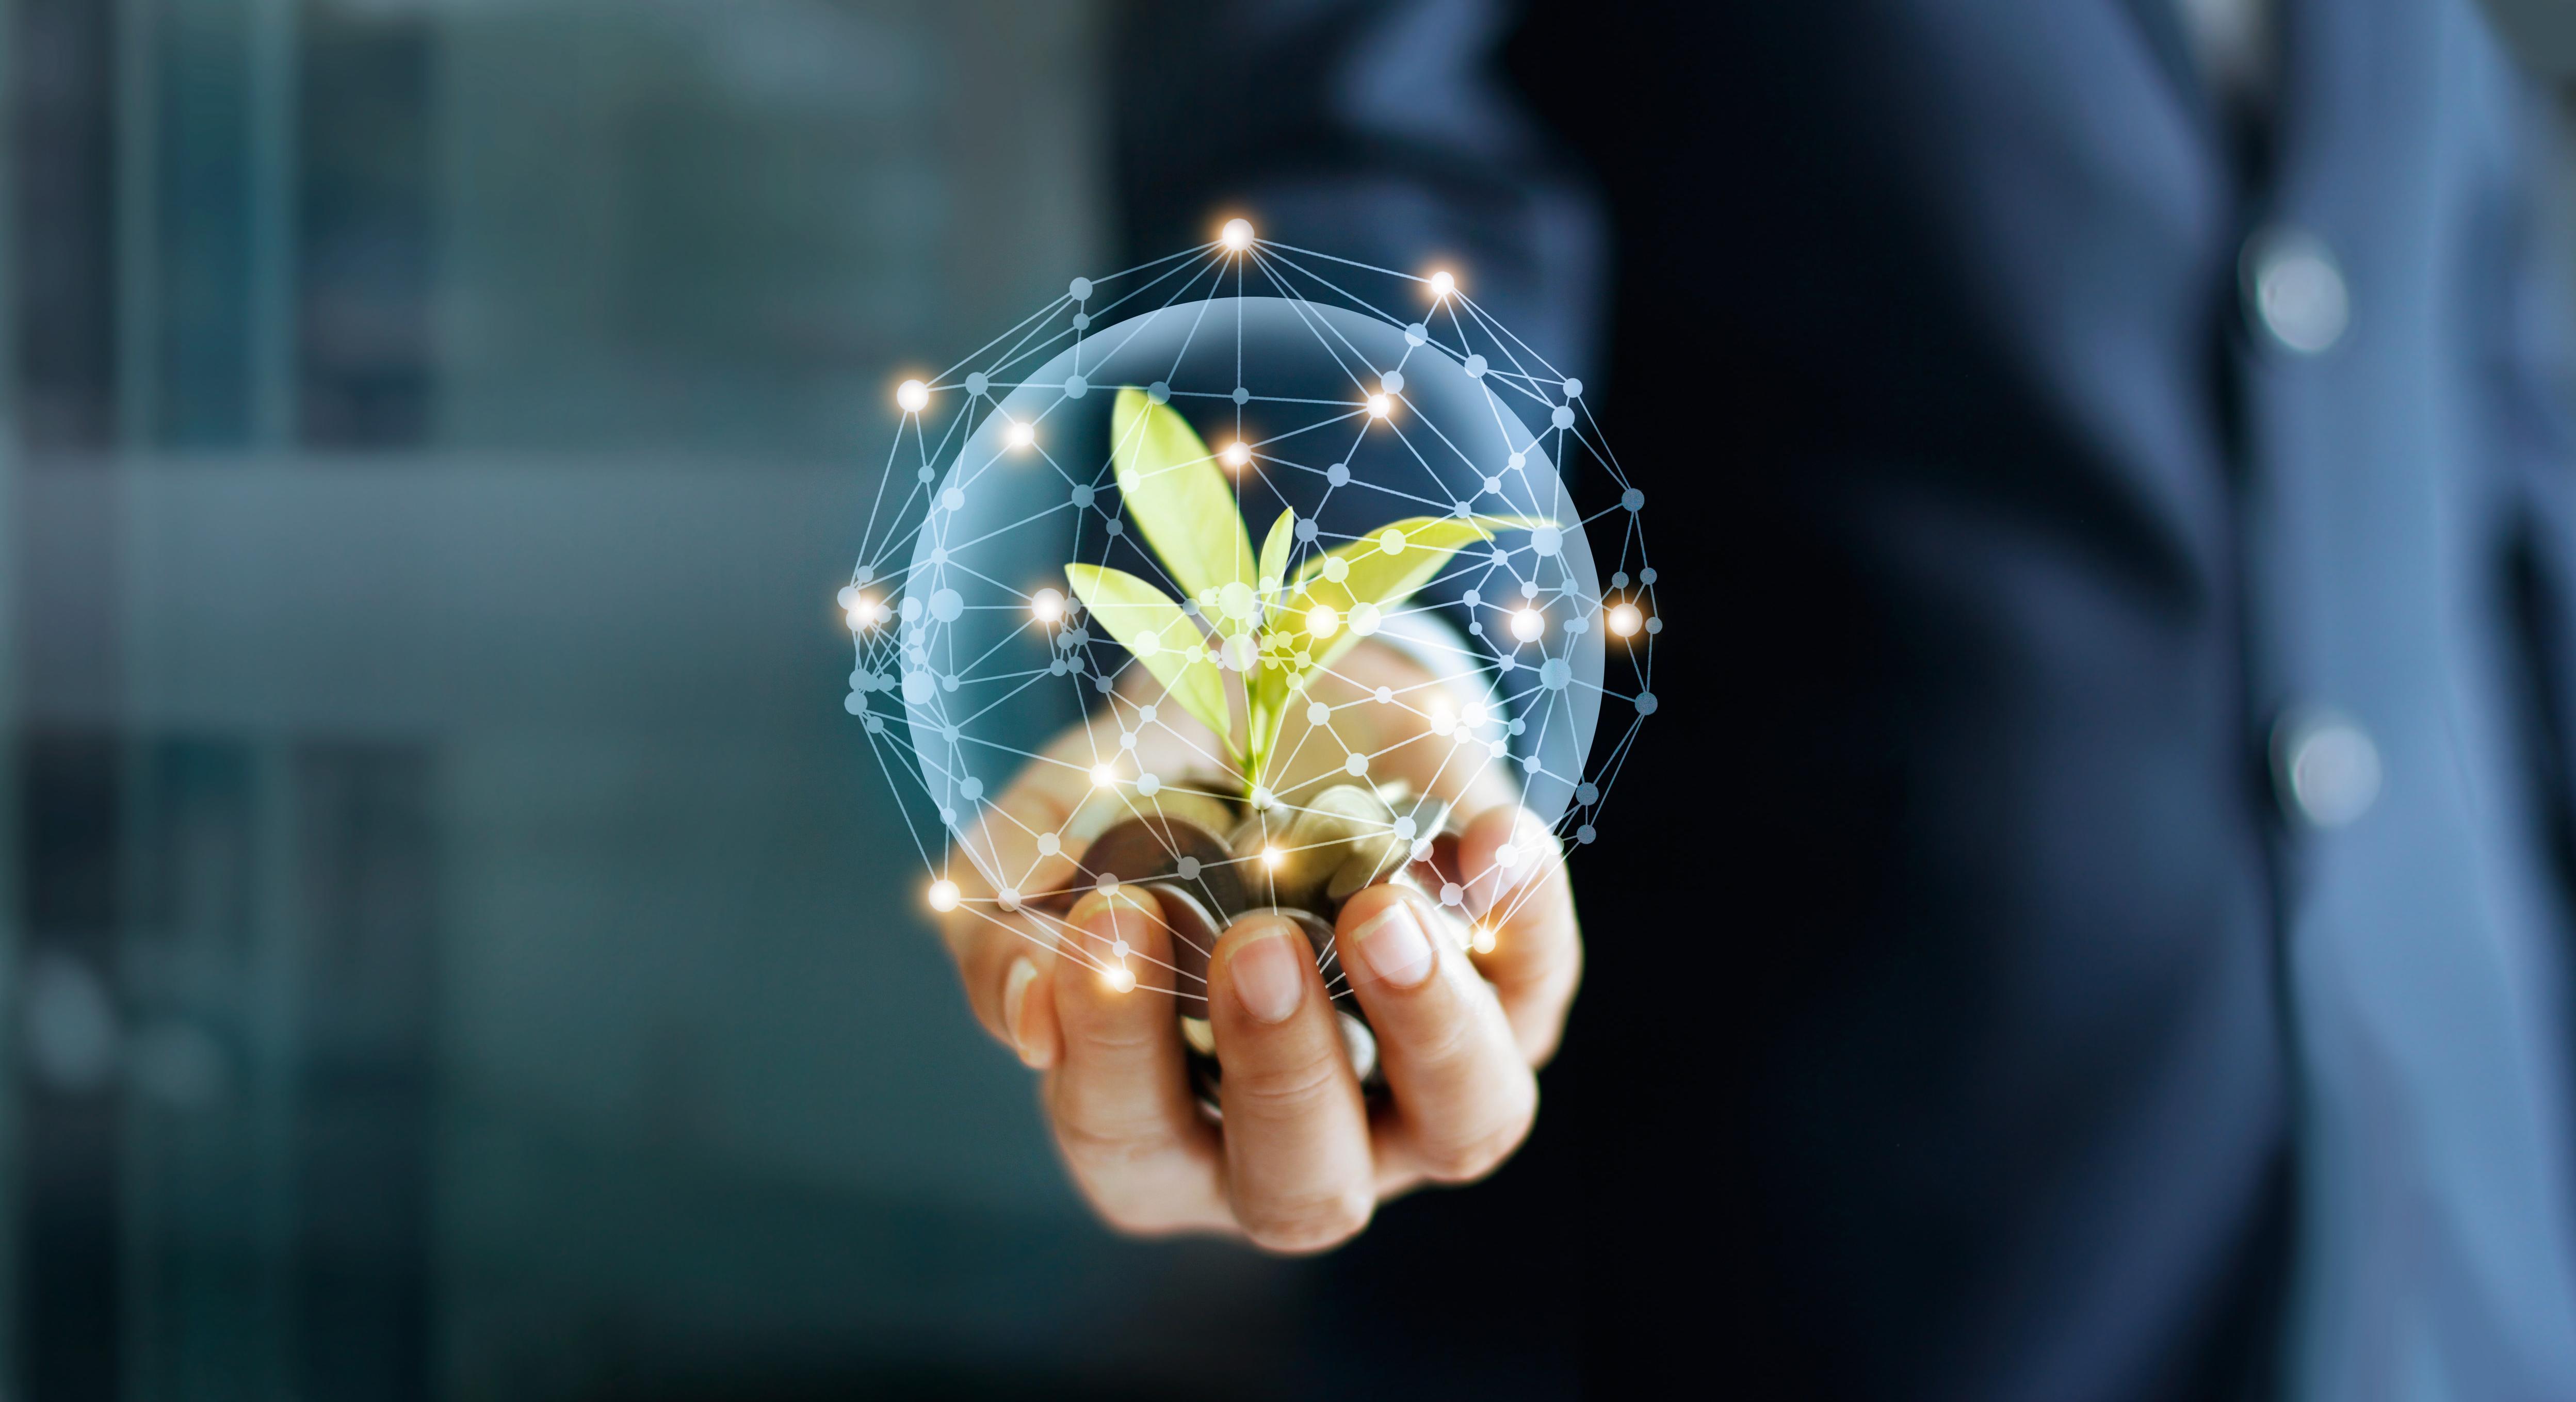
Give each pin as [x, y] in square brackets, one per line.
[452, 937]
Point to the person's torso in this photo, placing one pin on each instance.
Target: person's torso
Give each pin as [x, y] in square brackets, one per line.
[2053, 487]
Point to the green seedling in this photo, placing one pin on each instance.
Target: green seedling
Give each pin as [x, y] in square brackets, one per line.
[1263, 629]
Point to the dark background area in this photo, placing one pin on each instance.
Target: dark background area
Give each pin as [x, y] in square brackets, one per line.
[445, 936]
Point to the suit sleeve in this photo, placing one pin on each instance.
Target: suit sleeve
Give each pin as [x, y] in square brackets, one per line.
[1381, 132]
[2526, 309]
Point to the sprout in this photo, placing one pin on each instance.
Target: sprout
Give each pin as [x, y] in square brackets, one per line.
[1271, 629]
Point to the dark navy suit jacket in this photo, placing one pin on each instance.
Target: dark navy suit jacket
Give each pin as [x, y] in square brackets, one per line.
[2009, 1027]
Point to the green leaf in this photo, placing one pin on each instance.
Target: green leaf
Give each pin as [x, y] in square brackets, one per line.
[1372, 575]
[1274, 555]
[1379, 578]
[1445, 534]
[1178, 497]
[1151, 627]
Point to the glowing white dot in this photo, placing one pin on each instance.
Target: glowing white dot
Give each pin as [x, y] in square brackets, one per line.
[1047, 606]
[1237, 234]
[913, 396]
[1528, 625]
[1483, 940]
[1103, 775]
[1120, 978]
[1323, 621]
[1236, 455]
[1442, 284]
[943, 896]
[1379, 406]
[1271, 857]
[1625, 620]
[1021, 435]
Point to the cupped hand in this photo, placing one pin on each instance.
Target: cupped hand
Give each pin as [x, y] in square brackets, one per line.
[1463, 1012]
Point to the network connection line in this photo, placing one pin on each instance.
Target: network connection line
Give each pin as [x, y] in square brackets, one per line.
[1335, 396]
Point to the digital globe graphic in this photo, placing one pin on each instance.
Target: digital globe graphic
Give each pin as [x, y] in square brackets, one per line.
[1246, 576]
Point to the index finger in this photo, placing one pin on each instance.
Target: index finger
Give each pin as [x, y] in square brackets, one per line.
[1026, 849]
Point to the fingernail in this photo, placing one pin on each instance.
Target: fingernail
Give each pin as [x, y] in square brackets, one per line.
[1113, 920]
[1015, 996]
[1269, 974]
[1393, 947]
[1098, 912]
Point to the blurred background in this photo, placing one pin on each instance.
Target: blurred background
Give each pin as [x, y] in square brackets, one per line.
[452, 940]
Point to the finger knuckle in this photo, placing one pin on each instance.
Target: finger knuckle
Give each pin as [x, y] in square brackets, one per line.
[1111, 1040]
[1304, 1225]
[1444, 1043]
[1282, 1092]
[1465, 1157]
[1104, 1147]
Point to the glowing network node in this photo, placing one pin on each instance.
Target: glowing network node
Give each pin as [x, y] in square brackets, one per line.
[1442, 284]
[912, 396]
[1625, 620]
[1237, 234]
[1273, 858]
[1323, 621]
[1379, 406]
[943, 895]
[1236, 455]
[1104, 775]
[1047, 606]
[1120, 978]
[1021, 435]
[1528, 625]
